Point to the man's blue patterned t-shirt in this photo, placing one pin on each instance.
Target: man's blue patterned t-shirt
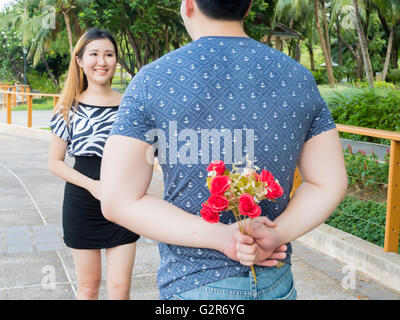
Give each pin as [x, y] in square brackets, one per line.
[255, 98]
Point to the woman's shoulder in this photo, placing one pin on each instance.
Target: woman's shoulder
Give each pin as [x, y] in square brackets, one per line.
[114, 99]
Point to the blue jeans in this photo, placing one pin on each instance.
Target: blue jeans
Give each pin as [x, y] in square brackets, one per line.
[272, 284]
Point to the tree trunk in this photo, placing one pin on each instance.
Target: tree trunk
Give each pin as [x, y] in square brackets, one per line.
[290, 49]
[389, 50]
[46, 65]
[69, 32]
[310, 50]
[327, 38]
[270, 34]
[360, 65]
[363, 46]
[395, 55]
[356, 54]
[166, 39]
[340, 44]
[297, 55]
[328, 61]
[133, 44]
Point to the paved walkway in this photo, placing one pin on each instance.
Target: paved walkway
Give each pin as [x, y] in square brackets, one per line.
[35, 264]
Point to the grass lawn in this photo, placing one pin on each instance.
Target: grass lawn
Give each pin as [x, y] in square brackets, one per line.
[38, 104]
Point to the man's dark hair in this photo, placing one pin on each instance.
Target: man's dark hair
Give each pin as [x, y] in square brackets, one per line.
[224, 9]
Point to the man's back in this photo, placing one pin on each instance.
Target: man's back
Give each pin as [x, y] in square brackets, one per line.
[220, 98]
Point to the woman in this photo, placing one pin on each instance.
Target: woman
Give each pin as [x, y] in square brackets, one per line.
[81, 125]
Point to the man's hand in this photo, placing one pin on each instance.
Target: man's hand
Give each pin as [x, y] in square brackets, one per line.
[265, 236]
[255, 255]
[247, 251]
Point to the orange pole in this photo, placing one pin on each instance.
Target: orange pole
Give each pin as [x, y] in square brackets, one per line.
[30, 98]
[14, 97]
[393, 200]
[9, 98]
[297, 181]
[27, 90]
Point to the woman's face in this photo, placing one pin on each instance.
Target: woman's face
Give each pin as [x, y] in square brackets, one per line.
[99, 61]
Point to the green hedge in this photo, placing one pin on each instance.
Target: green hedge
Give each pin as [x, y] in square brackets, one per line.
[368, 109]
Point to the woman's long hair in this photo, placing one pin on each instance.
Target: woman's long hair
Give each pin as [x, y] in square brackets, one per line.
[76, 81]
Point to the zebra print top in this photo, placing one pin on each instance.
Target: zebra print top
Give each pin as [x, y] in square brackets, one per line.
[88, 130]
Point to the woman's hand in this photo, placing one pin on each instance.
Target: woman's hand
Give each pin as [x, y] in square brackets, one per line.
[95, 189]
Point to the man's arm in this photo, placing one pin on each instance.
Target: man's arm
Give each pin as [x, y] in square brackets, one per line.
[125, 177]
[324, 186]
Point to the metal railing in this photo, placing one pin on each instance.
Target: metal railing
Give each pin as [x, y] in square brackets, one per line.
[392, 225]
[10, 94]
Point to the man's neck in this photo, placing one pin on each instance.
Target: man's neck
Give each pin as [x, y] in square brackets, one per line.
[218, 29]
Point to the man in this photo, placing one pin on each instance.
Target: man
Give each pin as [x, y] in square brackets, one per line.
[223, 84]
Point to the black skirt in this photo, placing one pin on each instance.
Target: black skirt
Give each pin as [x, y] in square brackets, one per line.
[84, 225]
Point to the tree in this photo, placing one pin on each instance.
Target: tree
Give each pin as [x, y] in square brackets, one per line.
[145, 29]
[11, 61]
[363, 45]
[68, 8]
[29, 17]
[327, 58]
[390, 9]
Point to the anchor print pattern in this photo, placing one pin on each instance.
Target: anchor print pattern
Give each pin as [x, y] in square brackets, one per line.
[221, 83]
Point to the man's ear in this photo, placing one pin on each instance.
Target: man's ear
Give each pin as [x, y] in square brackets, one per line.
[189, 7]
[248, 10]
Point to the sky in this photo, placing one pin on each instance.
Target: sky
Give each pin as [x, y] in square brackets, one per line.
[3, 3]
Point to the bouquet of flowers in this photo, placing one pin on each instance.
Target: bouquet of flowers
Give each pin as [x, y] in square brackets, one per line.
[239, 191]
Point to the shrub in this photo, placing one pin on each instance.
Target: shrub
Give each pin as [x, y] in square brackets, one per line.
[321, 76]
[41, 82]
[384, 85]
[365, 171]
[367, 109]
[394, 76]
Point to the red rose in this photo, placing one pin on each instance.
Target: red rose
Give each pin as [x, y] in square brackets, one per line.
[218, 166]
[220, 184]
[274, 190]
[218, 203]
[209, 214]
[267, 177]
[248, 207]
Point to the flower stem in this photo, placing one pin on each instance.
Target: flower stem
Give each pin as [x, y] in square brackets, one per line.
[254, 274]
[243, 230]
